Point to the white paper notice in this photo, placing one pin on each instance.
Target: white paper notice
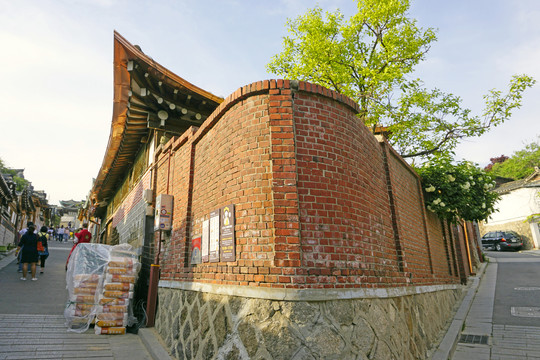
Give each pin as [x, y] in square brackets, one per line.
[205, 240]
[214, 236]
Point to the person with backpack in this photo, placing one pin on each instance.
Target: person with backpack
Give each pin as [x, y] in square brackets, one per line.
[43, 247]
[29, 252]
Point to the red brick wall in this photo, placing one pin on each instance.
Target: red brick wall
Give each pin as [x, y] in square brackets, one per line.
[233, 165]
[441, 245]
[345, 217]
[410, 213]
[461, 250]
[132, 199]
[174, 177]
[320, 203]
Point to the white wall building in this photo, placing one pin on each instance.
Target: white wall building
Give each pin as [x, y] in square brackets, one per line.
[519, 203]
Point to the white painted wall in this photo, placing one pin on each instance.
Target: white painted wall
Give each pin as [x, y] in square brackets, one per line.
[516, 205]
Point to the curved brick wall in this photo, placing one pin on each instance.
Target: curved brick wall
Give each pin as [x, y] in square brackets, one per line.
[320, 202]
[345, 215]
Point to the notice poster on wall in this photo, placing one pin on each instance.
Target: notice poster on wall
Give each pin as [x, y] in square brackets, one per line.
[205, 240]
[227, 241]
[196, 250]
[214, 236]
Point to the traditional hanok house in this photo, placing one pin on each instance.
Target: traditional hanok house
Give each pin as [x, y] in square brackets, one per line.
[27, 208]
[43, 210]
[70, 210]
[34, 207]
[8, 211]
[151, 105]
[283, 227]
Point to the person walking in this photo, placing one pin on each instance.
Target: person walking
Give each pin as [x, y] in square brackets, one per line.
[60, 233]
[21, 233]
[83, 236]
[29, 254]
[43, 250]
[66, 234]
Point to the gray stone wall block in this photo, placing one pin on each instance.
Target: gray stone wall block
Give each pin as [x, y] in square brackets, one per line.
[7, 235]
[197, 325]
[362, 337]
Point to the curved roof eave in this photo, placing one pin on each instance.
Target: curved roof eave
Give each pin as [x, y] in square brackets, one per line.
[123, 53]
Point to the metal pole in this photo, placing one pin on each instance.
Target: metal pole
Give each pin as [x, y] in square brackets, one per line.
[152, 289]
[467, 246]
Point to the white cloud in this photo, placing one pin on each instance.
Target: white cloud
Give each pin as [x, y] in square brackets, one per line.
[56, 67]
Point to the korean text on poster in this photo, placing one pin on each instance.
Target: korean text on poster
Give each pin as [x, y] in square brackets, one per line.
[227, 241]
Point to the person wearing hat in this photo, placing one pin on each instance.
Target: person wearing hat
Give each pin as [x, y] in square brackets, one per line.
[29, 254]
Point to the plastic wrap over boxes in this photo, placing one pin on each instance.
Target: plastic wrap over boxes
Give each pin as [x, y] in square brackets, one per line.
[100, 281]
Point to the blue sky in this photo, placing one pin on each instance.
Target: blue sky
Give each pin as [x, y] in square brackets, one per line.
[56, 67]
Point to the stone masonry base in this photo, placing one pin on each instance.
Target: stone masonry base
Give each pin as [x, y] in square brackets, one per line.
[197, 325]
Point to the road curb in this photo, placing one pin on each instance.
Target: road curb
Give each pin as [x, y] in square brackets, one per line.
[155, 348]
[450, 339]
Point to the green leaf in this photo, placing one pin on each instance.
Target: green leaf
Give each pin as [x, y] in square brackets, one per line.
[370, 57]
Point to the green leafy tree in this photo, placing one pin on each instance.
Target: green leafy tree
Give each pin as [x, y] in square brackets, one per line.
[20, 183]
[458, 191]
[370, 57]
[55, 220]
[521, 164]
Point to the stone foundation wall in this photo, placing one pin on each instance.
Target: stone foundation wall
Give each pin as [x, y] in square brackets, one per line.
[199, 325]
[7, 233]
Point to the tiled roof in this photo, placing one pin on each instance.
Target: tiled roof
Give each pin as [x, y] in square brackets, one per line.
[5, 191]
[532, 180]
[146, 96]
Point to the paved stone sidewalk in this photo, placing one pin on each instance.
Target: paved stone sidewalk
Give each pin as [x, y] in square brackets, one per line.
[515, 342]
[507, 343]
[45, 337]
[502, 342]
[32, 322]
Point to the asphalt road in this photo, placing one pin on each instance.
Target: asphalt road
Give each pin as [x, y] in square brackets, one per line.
[47, 295]
[517, 294]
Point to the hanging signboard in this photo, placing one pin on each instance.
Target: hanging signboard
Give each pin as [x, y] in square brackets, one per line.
[196, 250]
[214, 236]
[227, 238]
[205, 240]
